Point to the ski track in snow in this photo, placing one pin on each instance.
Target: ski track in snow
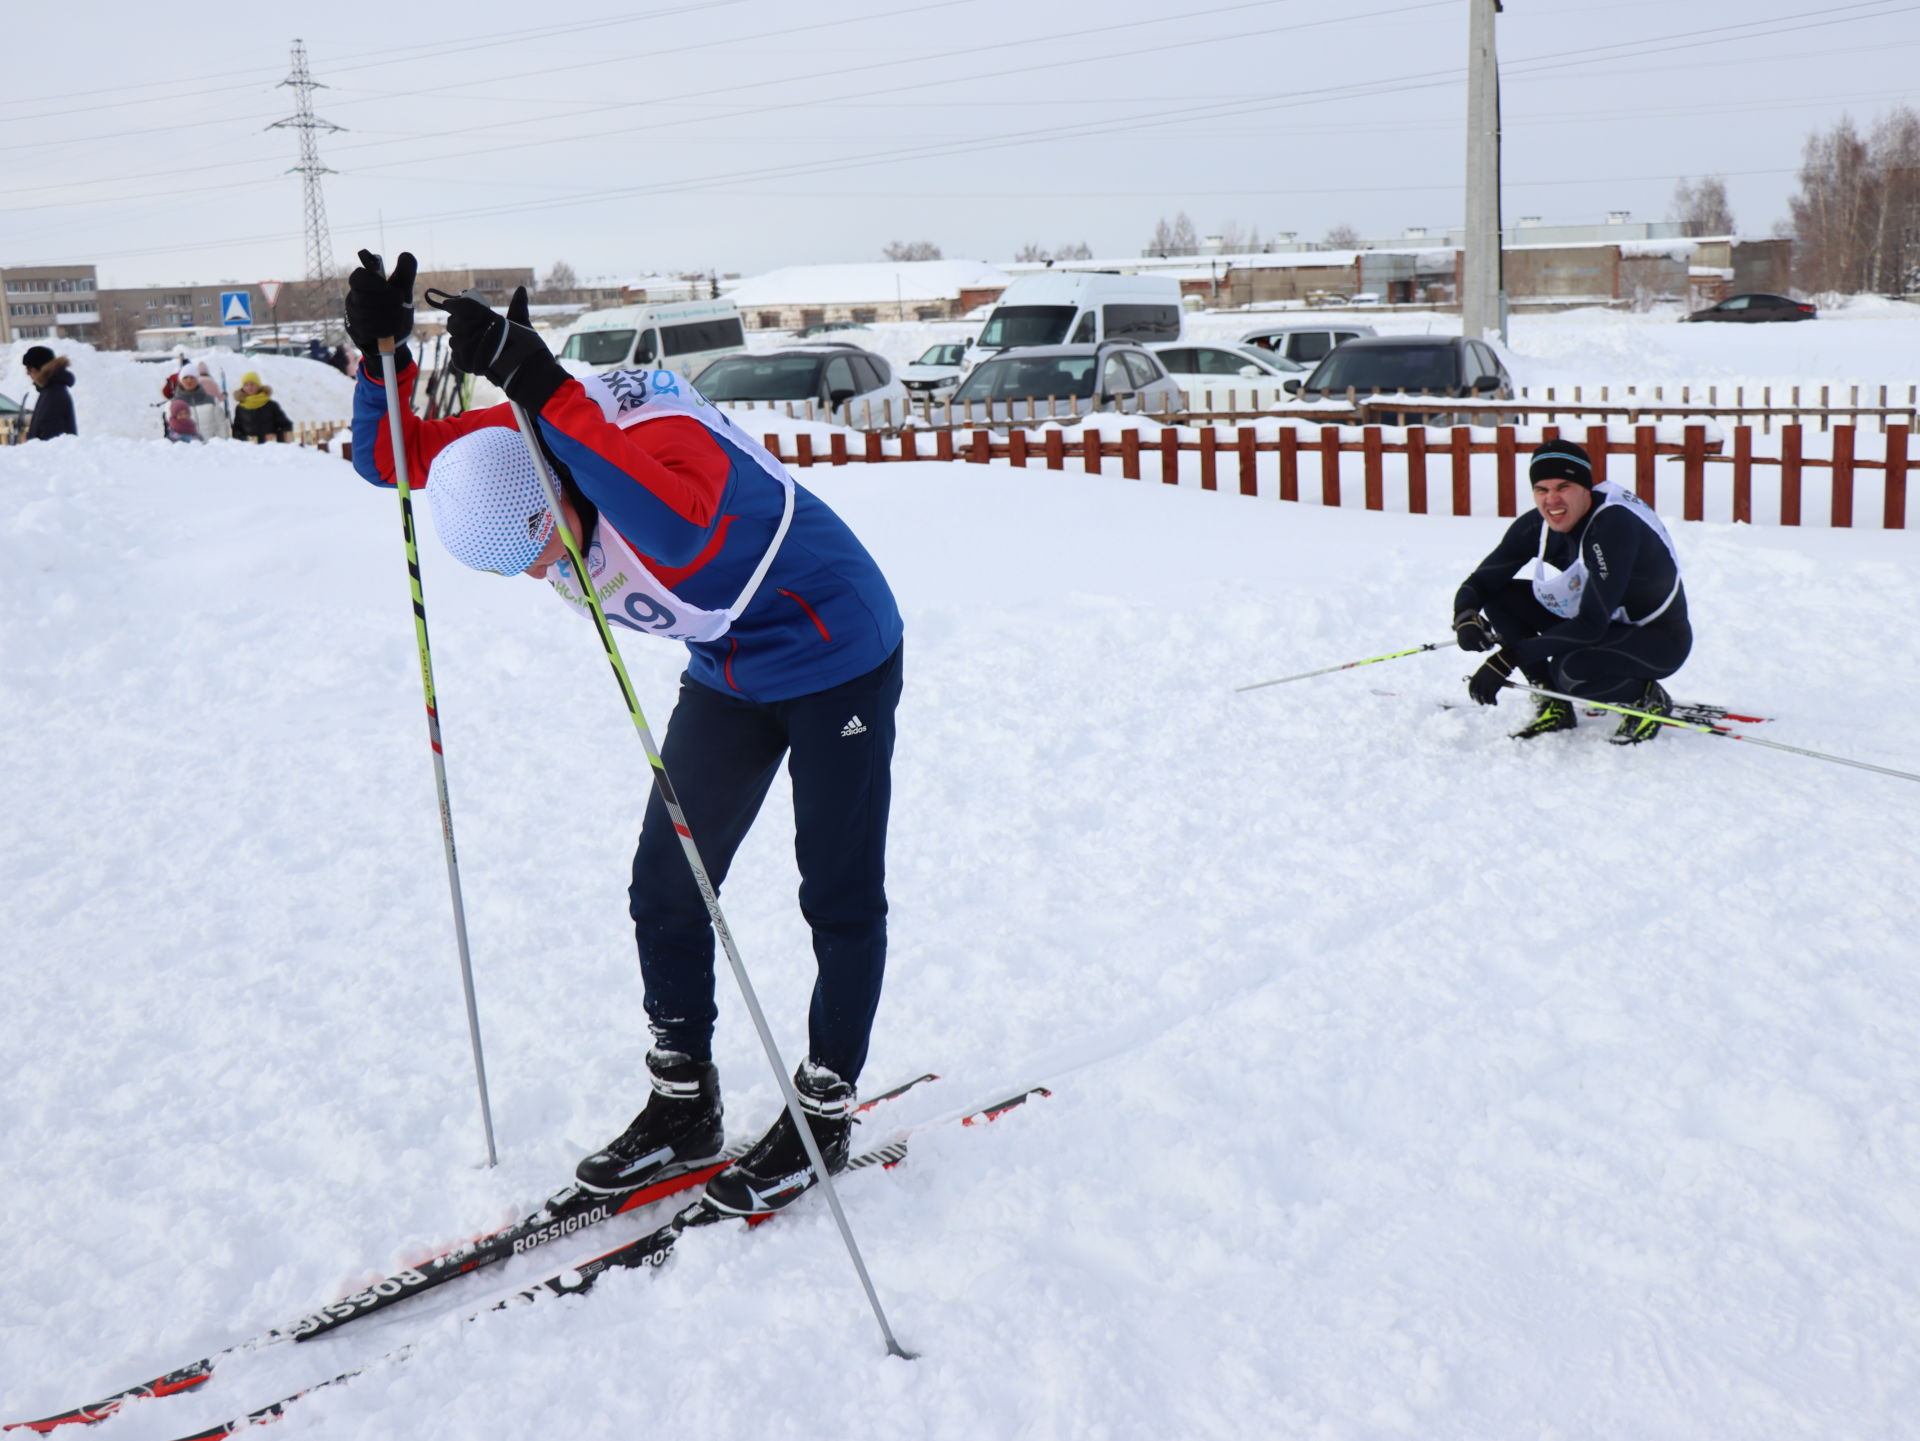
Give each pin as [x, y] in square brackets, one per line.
[1407, 1081]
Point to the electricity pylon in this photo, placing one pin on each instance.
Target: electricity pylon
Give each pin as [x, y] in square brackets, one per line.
[323, 299]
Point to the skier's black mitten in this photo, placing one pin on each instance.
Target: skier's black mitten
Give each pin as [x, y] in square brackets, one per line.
[506, 349]
[380, 305]
[1484, 685]
[1471, 631]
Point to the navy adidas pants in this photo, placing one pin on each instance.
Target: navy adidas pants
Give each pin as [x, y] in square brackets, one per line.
[1614, 668]
[721, 754]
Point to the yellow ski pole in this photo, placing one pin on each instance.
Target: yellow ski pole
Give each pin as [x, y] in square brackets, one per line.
[1350, 665]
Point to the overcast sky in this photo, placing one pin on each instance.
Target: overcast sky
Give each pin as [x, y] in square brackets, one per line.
[741, 135]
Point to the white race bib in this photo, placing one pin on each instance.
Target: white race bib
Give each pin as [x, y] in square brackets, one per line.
[632, 596]
[1560, 592]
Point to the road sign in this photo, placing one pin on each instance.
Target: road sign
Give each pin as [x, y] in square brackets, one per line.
[235, 308]
[270, 291]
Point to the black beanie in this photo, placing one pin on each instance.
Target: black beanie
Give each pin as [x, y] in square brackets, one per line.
[36, 356]
[1561, 460]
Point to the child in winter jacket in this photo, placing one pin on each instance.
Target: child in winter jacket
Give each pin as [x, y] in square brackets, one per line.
[196, 385]
[180, 423]
[257, 416]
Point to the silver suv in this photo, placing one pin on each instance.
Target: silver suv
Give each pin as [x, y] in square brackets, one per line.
[1305, 341]
[1066, 382]
[835, 380]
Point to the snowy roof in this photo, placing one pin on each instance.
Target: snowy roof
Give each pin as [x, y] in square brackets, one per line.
[874, 280]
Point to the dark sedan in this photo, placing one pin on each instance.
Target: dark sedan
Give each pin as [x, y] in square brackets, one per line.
[1407, 364]
[1746, 309]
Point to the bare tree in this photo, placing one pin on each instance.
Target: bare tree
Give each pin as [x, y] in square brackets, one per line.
[1895, 148]
[911, 250]
[1032, 252]
[1342, 237]
[1235, 241]
[1703, 207]
[1075, 250]
[1836, 212]
[1175, 237]
[559, 285]
[311, 300]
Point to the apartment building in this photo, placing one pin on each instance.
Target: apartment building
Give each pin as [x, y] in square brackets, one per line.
[48, 302]
[122, 312]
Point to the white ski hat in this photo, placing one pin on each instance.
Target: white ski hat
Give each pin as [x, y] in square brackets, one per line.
[488, 505]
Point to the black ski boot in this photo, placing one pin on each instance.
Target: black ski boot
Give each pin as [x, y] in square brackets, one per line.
[679, 1130]
[1633, 729]
[1554, 715]
[776, 1172]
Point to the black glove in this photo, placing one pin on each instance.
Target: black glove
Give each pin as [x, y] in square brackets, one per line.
[1471, 631]
[379, 305]
[1484, 685]
[506, 349]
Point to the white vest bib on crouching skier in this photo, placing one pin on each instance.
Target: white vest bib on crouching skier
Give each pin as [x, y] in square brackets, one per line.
[1560, 592]
[632, 596]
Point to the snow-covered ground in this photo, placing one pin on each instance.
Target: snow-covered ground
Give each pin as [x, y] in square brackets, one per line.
[1408, 1081]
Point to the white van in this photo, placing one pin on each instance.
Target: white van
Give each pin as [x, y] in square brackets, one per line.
[1080, 307]
[679, 335]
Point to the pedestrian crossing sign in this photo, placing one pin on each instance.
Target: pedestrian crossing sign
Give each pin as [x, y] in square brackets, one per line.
[235, 308]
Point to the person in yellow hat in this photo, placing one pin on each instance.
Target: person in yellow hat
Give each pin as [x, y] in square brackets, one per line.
[257, 416]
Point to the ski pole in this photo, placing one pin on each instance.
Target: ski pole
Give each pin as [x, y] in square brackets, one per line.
[1714, 730]
[671, 801]
[397, 435]
[1329, 670]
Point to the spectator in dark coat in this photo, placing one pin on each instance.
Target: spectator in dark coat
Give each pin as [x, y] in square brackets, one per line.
[257, 416]
[53, 411]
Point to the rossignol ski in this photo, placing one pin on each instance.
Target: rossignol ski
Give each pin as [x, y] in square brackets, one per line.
[650, 1250]
[1697, 712]
[564, 1214]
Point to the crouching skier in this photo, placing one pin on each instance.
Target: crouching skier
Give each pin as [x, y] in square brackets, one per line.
[1609, 624]
[695, 533]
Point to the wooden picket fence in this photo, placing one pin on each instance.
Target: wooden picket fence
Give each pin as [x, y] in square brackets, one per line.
[1235, 459]
[1231, 457]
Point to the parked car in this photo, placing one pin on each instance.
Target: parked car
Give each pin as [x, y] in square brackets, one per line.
[1227, 373]
[1440, 365]
[827, 327]
[13, 418]
[268, 345]
[937, 371]
[844, 384]
[1304, 341]
[1750, 308]
[1066, 382]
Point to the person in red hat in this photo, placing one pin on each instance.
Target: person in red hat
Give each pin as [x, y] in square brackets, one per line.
[1602, 613]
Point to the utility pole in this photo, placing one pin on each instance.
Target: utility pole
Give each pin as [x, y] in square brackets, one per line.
[321, 294]
[1483, 300]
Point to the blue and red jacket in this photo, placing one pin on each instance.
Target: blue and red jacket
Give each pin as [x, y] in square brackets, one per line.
[700, 514]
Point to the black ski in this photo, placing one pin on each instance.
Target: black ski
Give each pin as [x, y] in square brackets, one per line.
[650, 1250]
[1694, 712]
[564, 1214]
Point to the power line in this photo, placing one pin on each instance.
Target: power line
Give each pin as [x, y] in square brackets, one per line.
[1561, 60]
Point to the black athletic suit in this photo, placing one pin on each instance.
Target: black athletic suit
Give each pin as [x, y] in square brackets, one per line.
[1591, 655]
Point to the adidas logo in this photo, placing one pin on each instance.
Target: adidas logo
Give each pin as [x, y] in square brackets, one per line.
[854, 727]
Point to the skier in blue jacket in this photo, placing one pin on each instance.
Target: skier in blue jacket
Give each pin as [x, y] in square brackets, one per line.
[691, 532]
[1602, 614]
